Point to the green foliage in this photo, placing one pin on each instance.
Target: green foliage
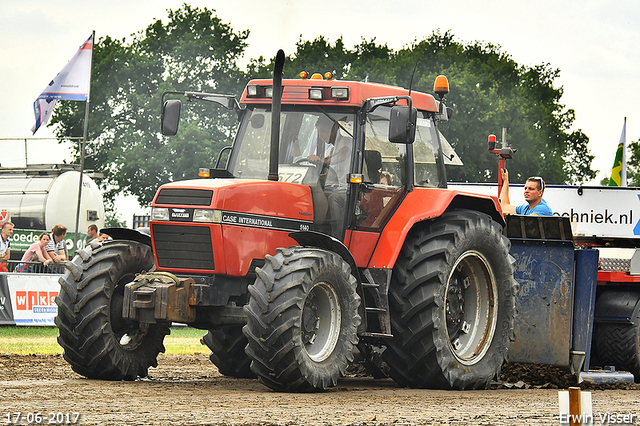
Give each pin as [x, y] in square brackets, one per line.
[193, 51]
[113, 219]
[488, 91]
[633, 164]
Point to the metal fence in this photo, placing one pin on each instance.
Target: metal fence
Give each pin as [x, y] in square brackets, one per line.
[32, 267]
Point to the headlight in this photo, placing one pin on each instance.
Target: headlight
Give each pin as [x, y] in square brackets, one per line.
[159, 213]
[212, 216]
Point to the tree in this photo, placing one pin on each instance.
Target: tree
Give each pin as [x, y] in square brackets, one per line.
[489, 91]
[193, 51]
[633, 164]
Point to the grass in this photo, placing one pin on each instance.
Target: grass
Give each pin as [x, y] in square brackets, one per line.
[42, 340]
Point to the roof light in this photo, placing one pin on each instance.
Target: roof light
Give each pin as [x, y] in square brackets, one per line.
[268, 92]
[303, 74]
[253, 90]
[204, 172]
[316, 93]
[328, 75]
[316, 76]
[340, 92]
[441, 86]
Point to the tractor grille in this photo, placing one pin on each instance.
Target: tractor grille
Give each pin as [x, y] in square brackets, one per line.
[183, 247]
[184, 197]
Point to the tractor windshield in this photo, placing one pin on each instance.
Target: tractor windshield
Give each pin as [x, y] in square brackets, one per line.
[306, 137]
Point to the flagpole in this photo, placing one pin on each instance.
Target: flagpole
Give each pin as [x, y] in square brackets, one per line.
[83, 143]
[623, 172]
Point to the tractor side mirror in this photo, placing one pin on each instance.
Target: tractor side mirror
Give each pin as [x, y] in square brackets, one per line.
[402, 124]
[170, 117]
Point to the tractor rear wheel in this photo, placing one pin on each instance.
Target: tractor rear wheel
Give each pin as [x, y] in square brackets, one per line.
[302, 320]
[618, 343]
[97, 341]
[227, 351]
[451, 304]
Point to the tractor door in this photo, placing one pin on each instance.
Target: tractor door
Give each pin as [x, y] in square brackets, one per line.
[384, 174]
[383, 188]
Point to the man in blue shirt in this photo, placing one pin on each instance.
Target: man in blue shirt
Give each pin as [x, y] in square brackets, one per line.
[533, 190]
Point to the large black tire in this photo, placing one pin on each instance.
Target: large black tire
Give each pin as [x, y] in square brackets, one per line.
[302, 320]
[227, 351]
[97, 341]
[618, 344]
[452, 304]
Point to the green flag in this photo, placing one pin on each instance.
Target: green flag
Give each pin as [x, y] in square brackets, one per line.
[619, 172]
[617, 167]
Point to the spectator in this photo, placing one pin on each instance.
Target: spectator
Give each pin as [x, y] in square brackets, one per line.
[5, 245]
[36, 252]
[56, 248]
[92, 232]
[104, 237]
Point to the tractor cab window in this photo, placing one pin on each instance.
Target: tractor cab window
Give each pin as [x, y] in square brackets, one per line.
[383, 173]
[426, 153]
[316, 148]
[384, 161]
[299, 152]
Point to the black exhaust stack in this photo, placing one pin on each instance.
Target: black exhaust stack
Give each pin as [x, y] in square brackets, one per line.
[276, 101]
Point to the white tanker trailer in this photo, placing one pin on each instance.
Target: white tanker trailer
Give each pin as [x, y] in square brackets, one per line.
[40, 196]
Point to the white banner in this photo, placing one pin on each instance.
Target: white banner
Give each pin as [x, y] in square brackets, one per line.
[603, 211]
[33, 298]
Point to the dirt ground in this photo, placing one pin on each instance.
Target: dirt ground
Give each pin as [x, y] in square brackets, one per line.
[188, 390]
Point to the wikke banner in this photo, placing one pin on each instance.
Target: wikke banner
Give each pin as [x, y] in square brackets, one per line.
[72, 83]
[28, 299]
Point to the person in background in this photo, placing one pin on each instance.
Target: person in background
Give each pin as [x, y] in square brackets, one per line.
[36, 252]
[5, 245]
[56, 248]
[104, 237]
[533, 190]
[92, 232]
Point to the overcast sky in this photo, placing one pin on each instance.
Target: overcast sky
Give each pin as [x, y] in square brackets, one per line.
[595, 44]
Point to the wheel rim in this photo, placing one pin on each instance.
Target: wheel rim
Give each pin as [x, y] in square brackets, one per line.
[470, 308]
[321, 319]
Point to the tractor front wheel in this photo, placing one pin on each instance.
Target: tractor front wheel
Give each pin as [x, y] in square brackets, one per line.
[97, 341]
[302, 320]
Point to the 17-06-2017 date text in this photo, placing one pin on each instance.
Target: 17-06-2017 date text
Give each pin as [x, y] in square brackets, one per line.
[38, 418]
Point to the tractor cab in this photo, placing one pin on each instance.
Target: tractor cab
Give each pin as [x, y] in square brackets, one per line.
[359, 154]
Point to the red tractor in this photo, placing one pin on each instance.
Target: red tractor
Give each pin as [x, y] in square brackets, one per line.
[330, 233]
